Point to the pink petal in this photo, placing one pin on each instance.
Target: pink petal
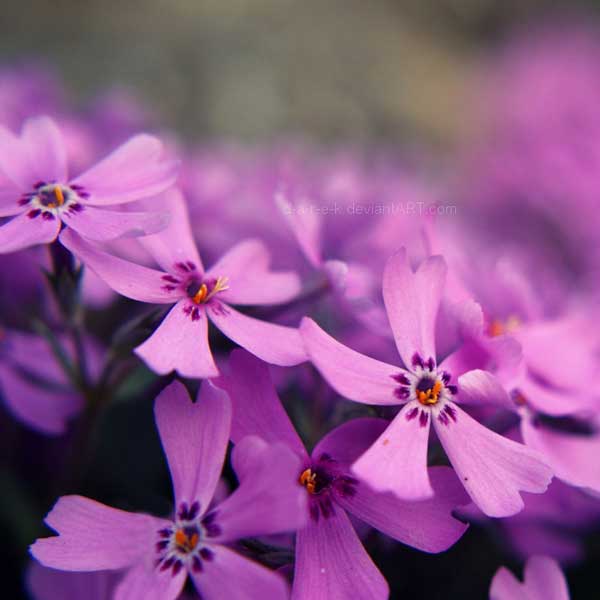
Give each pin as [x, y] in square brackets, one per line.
[482, 388]
[268, 499]
[275, 344]
[567, 453]
[347, 442]
[257, 409]
[22, 232]
[544, 580]
[493, 469]
[331, 563]
[250, 281]
[555, 401]
[234, 577]
[93, 536]
[126, 278]
[46, 150]
[147, 582]
[180, 343]
[43, 409]
[505, 586]
[194, 437]
[133, 171]
[9, 198]
[104, 225]
[14, 161]
[412, 301]
[427, 525]
[350, 373]
[175, 244]
[397, 460]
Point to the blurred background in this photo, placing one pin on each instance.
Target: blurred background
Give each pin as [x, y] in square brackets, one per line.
[385, 72]
[251, 69]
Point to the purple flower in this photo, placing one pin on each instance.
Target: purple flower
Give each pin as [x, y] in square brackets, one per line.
[330, 559]
[543, 579]
[34, 387]
[36, 189]
[159, 554]
[492, 468]
[241, 276]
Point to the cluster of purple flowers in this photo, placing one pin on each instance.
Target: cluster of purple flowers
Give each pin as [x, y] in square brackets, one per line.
[469, 352]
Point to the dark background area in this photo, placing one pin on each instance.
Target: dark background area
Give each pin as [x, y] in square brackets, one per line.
[256, 70]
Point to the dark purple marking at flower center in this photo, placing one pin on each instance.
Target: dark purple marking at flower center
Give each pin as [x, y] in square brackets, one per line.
[51, 199]
[324, 479]
[183, 543]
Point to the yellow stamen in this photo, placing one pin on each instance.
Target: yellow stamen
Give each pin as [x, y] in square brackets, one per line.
[201, 295]
[497, 327]
[430, 396]
[185, 542]
[59, 195]
[309, 480]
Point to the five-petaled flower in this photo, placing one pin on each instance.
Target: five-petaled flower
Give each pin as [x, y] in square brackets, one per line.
[157, 555]
[241, 276]
[330, 559]
[493, 469]
[37, 190]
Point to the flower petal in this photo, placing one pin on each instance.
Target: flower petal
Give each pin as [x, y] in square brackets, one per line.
[93, 536]
[104, 225]
[480, 388]
[194, 436]
[229, 575]
[37, 155]
[147, 582]
[268, 499]
[46, 410]
[46, 150]
[493, 469]
[567, 453]
[9, 198]
[427, 525]
[250, 281]
[350, 373]
[275, 344]
[133, 171]
[347, 442]
[397, 460]
[180, 343]
[412, 301]
[175, 243]
[331, 563]
[257, 409]
[126, 278]
[22, 232]
[544, 580]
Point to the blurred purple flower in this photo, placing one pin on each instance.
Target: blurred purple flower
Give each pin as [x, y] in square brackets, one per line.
[36, 190]
[543, 580]
[493, 469]
[159, 554]
[241, 276]
[330, 560]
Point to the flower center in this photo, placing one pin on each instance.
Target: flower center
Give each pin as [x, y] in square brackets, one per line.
[202, 292]
[325, 480]
[428, 390]
[51, 199]
[184, 543]
[309, 480]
